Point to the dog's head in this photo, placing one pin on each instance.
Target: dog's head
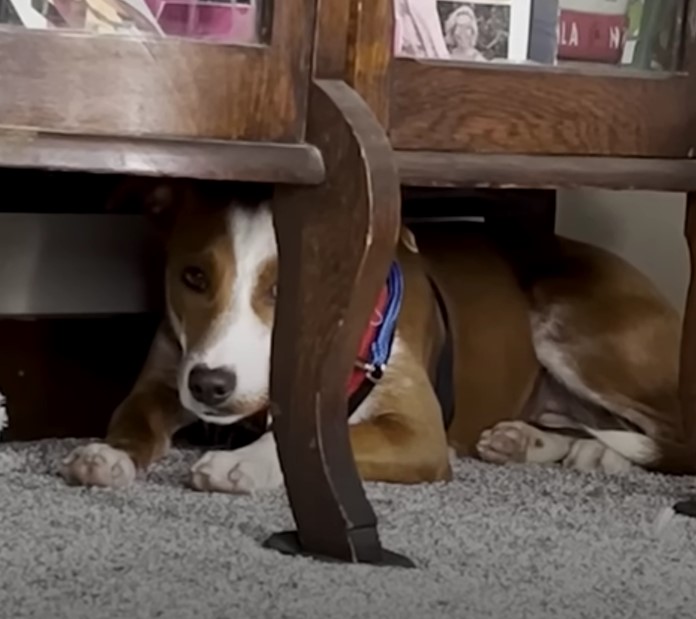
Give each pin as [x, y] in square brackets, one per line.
[221, 268]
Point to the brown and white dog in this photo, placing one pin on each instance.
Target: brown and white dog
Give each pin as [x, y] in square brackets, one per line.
[574, 362]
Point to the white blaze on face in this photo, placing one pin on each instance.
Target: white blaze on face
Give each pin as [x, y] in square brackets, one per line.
[239, 340]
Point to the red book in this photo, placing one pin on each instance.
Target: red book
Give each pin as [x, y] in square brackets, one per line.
[591, 36]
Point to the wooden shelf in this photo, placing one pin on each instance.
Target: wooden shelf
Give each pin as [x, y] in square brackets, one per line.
[448, 169]
[269, 162]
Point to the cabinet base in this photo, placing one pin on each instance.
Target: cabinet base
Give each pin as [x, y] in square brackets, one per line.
[288, 543]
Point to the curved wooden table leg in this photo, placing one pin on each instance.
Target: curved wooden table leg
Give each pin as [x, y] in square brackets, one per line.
[687, 363]
[687, 373]
[336, 242]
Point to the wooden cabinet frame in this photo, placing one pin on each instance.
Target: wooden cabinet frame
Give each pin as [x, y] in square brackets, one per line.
[473, 108]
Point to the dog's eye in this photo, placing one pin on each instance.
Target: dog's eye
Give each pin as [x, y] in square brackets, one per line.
[195, 279]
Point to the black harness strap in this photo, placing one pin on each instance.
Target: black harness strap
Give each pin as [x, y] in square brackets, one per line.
[444, 373]
[360, 395]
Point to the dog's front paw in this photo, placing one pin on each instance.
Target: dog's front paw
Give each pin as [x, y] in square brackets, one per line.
[237, 472]
[98, 464]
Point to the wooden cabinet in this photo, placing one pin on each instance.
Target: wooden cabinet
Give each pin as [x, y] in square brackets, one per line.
[531, 125]
[161, 105]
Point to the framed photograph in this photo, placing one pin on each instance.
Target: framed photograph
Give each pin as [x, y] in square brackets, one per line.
[467, 30]
[486, 30]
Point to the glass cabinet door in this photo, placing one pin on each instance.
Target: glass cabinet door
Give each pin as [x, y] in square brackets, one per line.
[217, 21]
[644, 34]
[585, 77]
[214, 69]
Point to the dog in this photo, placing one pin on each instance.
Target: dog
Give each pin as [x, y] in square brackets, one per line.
[572, 359]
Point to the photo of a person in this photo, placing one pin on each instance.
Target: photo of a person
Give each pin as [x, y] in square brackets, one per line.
[476, 31]
[462, 33]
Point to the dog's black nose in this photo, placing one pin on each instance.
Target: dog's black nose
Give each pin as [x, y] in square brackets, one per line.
[211, 386]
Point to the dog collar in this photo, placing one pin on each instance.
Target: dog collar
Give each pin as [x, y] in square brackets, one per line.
[376, 343]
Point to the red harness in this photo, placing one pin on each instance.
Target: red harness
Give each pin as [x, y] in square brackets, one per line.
[361, 371]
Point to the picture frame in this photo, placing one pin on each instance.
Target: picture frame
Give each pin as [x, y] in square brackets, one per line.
[463, 30]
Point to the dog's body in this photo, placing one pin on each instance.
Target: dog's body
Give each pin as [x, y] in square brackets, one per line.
[579, 366]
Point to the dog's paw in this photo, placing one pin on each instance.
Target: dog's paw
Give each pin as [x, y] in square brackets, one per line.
[242, 471]
[589, 455]
[517, 441]
[98, 464]
[504, 442]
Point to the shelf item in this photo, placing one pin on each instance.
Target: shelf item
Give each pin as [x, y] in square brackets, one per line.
[472, 31]
[593, 30]
[220, 21]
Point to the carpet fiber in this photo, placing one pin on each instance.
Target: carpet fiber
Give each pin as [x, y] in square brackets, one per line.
[499, 543]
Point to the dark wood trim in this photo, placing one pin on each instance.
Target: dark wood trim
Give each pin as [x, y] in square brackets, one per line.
[439, 169]
[484, 109]
[687, 365]
[370, 54]
[78, 83]
[355, 45]
[300, 164]
[689, 63]
[331, 39]
[335, 243]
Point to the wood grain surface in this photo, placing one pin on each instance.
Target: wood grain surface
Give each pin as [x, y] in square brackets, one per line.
[162, 87]
[687, 370]
[331, 39]
[368, 67]
[336, 242]
[442, 169]
[270, 162]
[486, 109]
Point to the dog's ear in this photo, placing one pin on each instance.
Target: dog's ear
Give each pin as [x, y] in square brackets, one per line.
[156, 198]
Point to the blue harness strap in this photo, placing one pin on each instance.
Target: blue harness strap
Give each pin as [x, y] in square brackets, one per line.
[380, 350]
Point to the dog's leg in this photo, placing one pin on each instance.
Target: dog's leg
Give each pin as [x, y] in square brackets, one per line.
[240, 471]
[396, 435]
[518, 441]
[389, 449]
[590, 455]
[385, 449]
[141, 429]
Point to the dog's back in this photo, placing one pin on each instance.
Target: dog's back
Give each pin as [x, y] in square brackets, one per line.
[567, 336]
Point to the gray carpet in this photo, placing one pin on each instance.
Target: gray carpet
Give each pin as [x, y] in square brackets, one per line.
[517, 542]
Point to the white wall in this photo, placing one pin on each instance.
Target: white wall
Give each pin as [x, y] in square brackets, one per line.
[643, 227]
[67, 264]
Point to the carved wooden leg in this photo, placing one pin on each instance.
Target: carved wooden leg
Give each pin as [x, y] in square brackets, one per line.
[687, 367]
[687, 375]
[336, 242]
